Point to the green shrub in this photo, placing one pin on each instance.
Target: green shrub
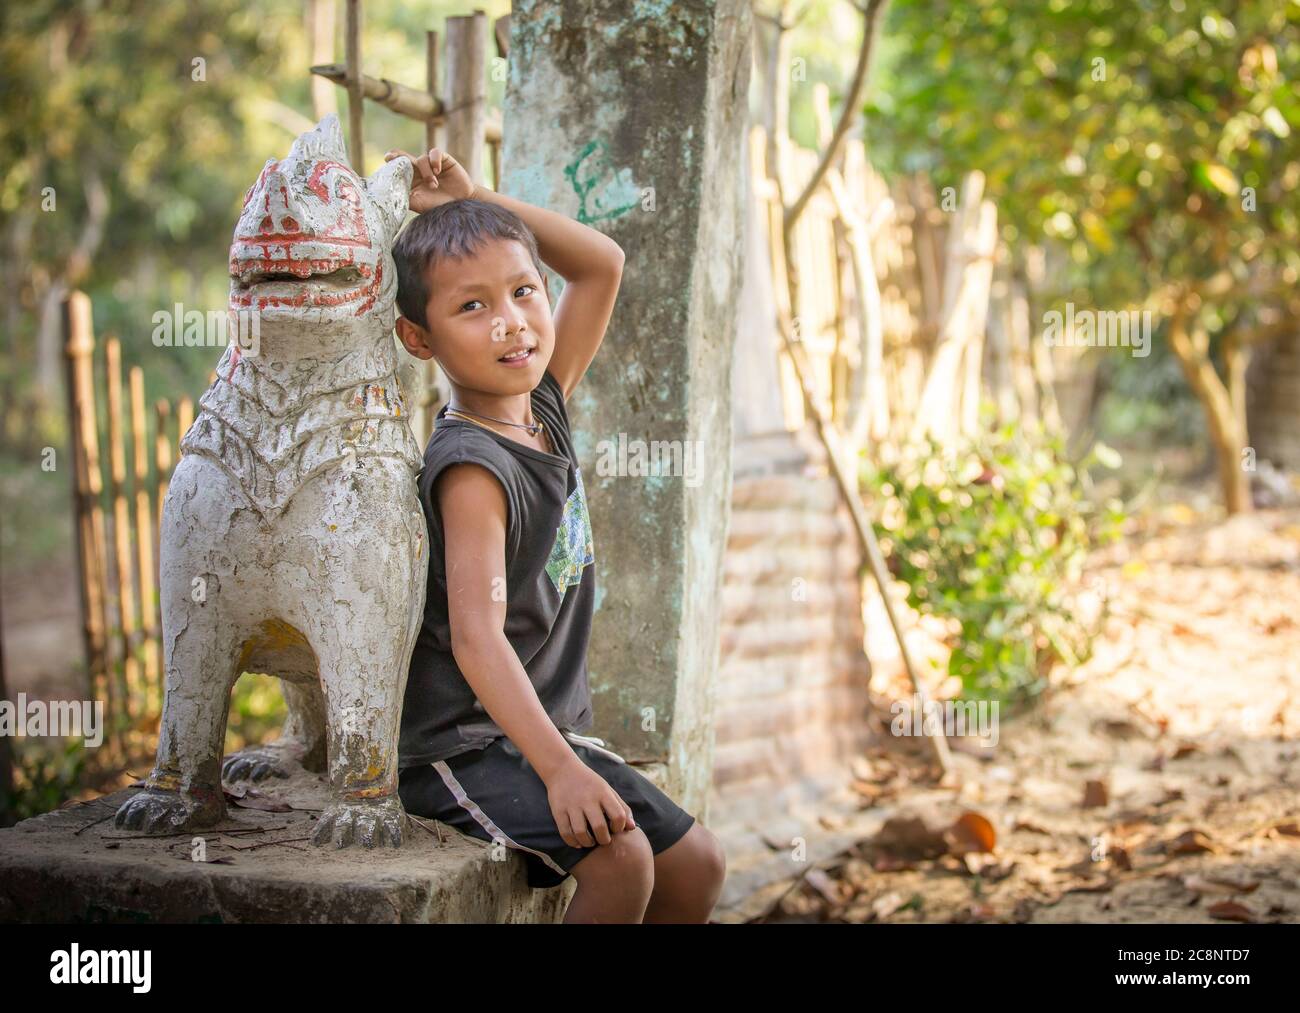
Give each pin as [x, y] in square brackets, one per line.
[46, 774]
[993, 533]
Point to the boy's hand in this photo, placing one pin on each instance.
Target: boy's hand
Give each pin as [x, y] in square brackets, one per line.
[438, 178]
[578, 797]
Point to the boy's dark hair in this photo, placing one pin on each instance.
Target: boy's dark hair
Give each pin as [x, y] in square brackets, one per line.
[455, 229]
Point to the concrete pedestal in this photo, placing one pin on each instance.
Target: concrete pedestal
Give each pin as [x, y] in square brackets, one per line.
[67, 867]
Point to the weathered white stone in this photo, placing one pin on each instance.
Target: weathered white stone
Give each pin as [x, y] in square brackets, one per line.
[292, 537]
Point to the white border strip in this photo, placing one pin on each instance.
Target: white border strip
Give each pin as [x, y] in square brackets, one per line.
[471, 807]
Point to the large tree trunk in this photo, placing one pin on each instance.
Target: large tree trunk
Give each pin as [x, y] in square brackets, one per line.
[1225, 419]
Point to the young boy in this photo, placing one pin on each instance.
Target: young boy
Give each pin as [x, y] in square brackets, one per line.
[497, 691]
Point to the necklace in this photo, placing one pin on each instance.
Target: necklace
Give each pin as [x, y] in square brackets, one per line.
[533, 429]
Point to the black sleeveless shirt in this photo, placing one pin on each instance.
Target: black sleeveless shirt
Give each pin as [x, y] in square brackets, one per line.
[550, 585]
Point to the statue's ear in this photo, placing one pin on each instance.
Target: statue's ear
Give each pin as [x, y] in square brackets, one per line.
[390, 187]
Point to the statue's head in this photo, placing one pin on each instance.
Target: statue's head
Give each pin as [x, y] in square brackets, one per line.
[314, 239]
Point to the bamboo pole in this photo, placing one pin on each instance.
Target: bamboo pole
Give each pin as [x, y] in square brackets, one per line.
[431, 86]
[7, 815]
[162, 447]
[79, 347]
[184, 419]
[466, 102]
[356, 145]
[162, 465]
[144, 531]
[122, 556]
[404, 100]
[320, 41]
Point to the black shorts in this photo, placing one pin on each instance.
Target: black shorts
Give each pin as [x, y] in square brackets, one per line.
[495, 795]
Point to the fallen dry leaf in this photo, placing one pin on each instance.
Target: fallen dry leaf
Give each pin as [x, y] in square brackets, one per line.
[910, 837]
[1231, 910]
[254, 799]
[1190, 842]
[1095, 795]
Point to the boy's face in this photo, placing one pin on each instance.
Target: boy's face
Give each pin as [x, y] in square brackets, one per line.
[481, 308]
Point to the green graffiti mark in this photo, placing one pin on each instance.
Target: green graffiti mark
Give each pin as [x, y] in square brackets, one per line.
[603, 192]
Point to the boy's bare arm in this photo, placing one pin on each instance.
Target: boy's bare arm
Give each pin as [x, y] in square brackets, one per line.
[591, 265]
[473, 509]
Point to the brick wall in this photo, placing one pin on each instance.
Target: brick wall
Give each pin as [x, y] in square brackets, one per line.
[791, 706]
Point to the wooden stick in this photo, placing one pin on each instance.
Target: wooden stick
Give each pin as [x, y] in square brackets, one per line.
[871, 19]
[356, 146]
[79, 347]
[847, 484]
[184, 419]
[320, 43]
[144, 532]
[431, 85]
[161, 477]
[404, 100]
[122, 555]
[466, 102]
[866, 535]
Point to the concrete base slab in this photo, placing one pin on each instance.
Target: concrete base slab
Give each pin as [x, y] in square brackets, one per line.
[72, 865]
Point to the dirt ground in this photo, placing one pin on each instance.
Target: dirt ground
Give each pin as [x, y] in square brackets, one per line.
[1156, 783]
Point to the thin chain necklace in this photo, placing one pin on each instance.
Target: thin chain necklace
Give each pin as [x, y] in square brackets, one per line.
[538, 427]
[533, 429]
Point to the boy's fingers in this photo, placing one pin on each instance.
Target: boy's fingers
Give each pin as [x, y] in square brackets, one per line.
[565, 827]
[598, 825]
[620, 817]
[579, 821]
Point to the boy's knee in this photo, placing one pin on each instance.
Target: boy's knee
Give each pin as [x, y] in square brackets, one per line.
[712, 856]
[627, 854]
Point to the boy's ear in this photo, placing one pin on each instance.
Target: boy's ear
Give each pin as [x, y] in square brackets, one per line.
[414, 338]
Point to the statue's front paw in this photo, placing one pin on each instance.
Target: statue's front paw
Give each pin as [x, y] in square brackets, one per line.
[257, 763]
[372, 822]
[158, 811]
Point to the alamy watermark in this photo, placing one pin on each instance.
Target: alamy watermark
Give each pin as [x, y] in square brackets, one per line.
[953, 717]
[59, 718]
[653, 458]
[182, 328]
[1100, 328]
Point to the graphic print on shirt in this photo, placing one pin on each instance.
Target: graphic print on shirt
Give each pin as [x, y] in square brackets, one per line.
[573, 547]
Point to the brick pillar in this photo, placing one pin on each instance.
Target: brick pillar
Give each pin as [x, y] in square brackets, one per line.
[629, 117]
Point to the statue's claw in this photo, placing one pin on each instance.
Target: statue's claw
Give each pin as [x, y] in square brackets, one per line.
[159, 811]
[379, 822]
[258, 763]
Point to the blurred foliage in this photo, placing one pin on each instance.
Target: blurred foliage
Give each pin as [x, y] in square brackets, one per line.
[1125, 129]
[45, 775]
[257, 711]
[992, 533]
[1156, 143]
[1149, 406]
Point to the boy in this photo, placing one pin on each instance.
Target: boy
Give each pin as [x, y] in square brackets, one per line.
[497, 690]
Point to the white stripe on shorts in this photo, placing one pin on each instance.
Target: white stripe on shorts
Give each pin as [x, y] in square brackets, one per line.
[593, 743]
[482, 818]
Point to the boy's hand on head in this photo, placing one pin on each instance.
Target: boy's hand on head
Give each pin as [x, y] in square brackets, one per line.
[438, 178]
[580, 797]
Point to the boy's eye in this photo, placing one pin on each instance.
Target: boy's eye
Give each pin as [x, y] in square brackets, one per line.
[470, 303]
[522, 287]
